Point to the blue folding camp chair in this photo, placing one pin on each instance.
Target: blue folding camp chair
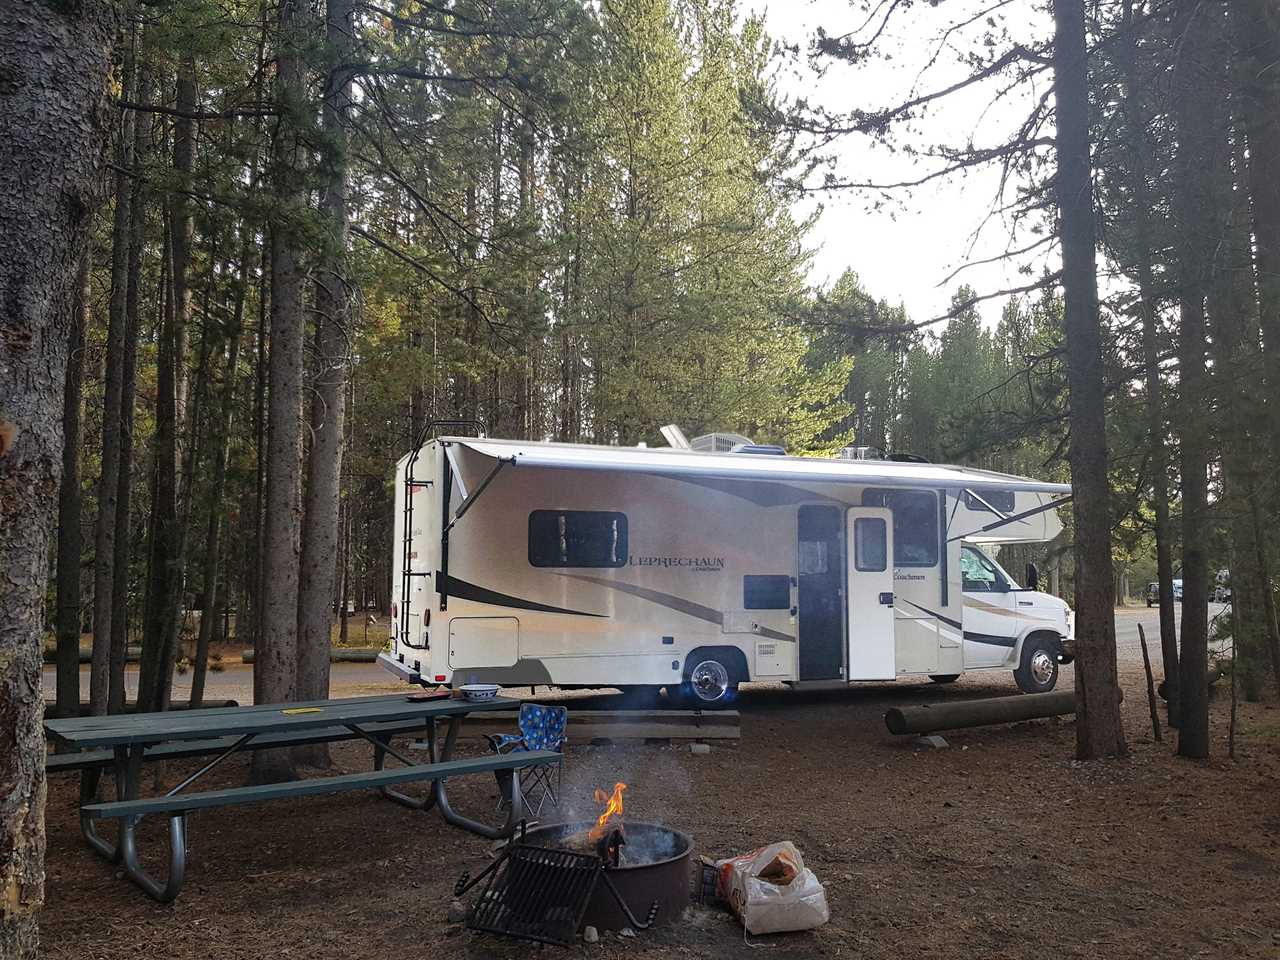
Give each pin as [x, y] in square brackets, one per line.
[541, 728]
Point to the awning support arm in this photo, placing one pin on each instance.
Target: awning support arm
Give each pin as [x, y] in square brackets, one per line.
[466, 504]
[1051, 505]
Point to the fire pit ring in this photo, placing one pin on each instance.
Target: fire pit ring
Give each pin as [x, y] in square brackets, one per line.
[665, 878]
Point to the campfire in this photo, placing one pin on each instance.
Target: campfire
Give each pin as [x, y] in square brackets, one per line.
[553, 880]
[607, 835]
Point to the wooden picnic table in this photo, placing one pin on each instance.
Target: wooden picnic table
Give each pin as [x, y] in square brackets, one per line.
[135, 738]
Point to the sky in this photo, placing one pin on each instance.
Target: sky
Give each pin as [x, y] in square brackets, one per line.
[902, 250]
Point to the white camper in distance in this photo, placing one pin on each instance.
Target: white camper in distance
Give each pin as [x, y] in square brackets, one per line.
[520, 562]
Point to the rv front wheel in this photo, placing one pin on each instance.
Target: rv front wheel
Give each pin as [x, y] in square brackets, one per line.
[1038, 672]
[944, 677]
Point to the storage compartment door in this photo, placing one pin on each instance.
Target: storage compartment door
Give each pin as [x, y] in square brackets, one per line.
[872, 654]
[484, 642]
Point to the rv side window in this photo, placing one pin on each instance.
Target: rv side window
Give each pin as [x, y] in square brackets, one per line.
[577, 538]
[915, 524]
[870, 549]
[766, 592]
[978, 574]
[1002, 500]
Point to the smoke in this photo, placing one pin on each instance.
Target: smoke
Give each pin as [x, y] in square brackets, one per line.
[652, 784]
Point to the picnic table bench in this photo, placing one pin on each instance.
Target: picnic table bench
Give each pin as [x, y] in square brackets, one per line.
[124, 741]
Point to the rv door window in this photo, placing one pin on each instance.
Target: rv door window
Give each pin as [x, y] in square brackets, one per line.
[870, 551]
[915, 524]
[577, 538]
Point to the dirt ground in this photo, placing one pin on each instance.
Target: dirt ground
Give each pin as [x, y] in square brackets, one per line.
[999, 846]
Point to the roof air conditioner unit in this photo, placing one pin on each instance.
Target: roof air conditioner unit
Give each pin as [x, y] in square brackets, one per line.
[861, 453]
[719, 442]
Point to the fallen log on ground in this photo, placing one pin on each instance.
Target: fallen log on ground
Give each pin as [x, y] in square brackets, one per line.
[928, 717]
[336, 655]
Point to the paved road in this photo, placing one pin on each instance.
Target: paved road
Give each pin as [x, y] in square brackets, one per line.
[235, 682]
[1128, 649]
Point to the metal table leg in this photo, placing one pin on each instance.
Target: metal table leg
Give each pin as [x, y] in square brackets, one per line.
[128, 767]
[382, 747]
[90, 778]
[440, 790]
[128, 773]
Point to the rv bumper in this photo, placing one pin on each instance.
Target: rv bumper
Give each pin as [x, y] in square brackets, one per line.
[1066, 649]
[404, 672]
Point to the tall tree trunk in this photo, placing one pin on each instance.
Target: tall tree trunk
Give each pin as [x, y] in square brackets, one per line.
[69, 538]
[160, 621]
[254, 618]
[109, 475]
[53, 137]
[276, 660]
[164, 593]
[120, 565]
[1099, 728]
[1140, 166]
[220, 444]
[319, 562]
[181, 223]
[1193, 105]
[1257, 25]
[1239, 388]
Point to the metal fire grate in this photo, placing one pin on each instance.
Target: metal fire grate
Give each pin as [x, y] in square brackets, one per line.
[535, 893]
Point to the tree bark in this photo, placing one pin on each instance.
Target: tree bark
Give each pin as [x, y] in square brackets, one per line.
[104, 552]
[53, 137]
[319, 562]
[69, 537]
[1099, 727]
[276, 658]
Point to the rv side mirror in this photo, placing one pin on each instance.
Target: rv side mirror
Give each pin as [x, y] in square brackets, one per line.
[1033, 577]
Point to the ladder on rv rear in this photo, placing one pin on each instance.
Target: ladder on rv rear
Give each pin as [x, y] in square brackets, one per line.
[411, 483]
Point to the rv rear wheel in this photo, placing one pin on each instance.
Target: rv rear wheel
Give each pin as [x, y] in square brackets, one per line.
[944, 677]
[1038, 672]
[710, 680]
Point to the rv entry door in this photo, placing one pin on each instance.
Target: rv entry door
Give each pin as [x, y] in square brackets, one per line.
[820, 562]
[872, 655]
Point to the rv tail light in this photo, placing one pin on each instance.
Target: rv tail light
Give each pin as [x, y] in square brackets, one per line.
[395, 610]
[426, 618]
[439, 678]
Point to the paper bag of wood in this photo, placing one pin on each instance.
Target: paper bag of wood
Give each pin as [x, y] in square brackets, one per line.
[771, 890]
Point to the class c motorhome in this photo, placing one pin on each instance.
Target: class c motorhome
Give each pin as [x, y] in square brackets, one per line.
[522, 563]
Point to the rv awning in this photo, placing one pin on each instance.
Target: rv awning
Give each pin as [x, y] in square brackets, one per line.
[748, 466]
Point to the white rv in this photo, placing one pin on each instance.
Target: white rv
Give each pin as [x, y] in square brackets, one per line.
[524, 563]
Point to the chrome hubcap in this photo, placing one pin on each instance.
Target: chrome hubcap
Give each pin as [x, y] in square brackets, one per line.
[1042, 667]
[710, 680]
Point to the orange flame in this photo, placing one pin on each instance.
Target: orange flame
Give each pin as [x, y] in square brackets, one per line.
[613, 808]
